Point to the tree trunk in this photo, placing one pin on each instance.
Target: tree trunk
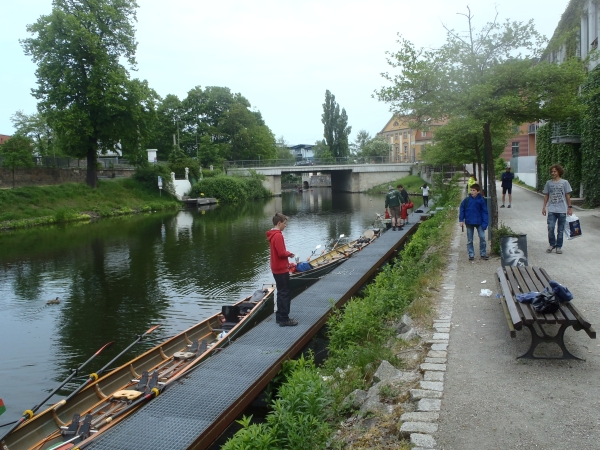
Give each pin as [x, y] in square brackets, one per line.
[487, 139]
[92, 170]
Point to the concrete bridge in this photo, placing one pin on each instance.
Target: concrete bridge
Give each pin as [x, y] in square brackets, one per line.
[344, 177]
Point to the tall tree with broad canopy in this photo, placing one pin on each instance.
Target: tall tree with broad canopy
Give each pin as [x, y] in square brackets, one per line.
[35, 126]
[362, 138]
[492, 76]
[83, 89]
[335, 127]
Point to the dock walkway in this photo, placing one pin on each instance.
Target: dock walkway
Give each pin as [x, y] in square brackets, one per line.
[194, 412]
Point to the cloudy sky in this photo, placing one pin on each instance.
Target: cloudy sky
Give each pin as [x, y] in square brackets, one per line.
[280, 54]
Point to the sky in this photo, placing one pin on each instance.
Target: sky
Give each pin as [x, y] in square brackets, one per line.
[280, 54]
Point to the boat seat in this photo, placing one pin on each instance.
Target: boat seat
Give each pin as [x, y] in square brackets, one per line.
[231, 313]
[246, 307]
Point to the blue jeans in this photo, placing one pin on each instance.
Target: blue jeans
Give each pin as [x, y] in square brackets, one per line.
[482, 243]
[561, 218]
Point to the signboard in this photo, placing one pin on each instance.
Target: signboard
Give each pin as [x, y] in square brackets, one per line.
[513, 250]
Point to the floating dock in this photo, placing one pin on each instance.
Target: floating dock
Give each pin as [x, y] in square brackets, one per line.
[193, 413]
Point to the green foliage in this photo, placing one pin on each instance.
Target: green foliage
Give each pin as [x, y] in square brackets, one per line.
[147, 175]
[590, 140]
[335, 127]
[298, 417]
[84, 91]
[356, 335]
[446, 192]
[412, 183]
[322, 152]
[17, 152]
[376, 147]
[179, 161]
[231, 189]
[35, 126]
[67, 202]
[499, 166]
[490, 75]
[361, 140]
[215, 125]
[501, 231]
[569, 156]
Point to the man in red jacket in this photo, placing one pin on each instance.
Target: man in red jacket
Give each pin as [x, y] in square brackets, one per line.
[279, 267]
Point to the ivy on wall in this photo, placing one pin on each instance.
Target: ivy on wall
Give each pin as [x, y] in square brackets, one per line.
[590, 138]
[567, 155]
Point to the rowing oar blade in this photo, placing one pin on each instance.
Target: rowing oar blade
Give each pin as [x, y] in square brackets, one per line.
[94, 376]
[28, 414]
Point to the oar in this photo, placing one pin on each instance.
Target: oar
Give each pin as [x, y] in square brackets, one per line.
[313, 252]
[338, 241]
[28, 414]
[94, 376]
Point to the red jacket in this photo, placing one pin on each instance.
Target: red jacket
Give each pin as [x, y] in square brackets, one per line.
[279, 254]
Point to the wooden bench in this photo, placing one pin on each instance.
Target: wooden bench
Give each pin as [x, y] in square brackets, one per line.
[520, 280]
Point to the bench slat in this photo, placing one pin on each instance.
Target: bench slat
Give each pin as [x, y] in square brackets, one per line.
[515, 317]
[525, 312]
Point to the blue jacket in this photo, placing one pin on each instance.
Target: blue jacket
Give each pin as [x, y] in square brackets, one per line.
[473, 211]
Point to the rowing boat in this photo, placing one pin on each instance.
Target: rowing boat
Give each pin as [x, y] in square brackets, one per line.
[119, 393]
[325, 263]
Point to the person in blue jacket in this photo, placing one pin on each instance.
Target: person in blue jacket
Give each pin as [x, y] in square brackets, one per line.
[474, 214]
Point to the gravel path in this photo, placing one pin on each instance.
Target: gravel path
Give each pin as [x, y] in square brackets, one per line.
[492, 400]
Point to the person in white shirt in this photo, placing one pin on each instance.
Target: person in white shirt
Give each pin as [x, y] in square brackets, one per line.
[425, 190]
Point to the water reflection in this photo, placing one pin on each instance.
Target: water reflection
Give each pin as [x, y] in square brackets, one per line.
[116, 278]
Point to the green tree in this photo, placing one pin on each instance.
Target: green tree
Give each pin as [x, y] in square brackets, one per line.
[283, 149]
[460, 141]
[322, 152]
[335, 127]
[35, 126]
[17, 152]
[83, 89]
[376, 147]
[493, 76]
[361, 140]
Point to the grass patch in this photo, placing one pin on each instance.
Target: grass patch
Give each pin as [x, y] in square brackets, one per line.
[412, 184]
[42, 205]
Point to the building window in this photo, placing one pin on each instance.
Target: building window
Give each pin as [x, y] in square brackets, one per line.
[515, 149]
[423, 133]
[405, 135]
[396, 123]
[405, 151]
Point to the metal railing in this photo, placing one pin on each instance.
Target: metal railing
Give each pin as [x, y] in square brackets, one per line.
[258, 163]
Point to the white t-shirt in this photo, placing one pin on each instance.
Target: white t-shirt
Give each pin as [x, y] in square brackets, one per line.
[425, 191]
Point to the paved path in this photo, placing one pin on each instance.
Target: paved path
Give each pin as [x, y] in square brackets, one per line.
[492, 400]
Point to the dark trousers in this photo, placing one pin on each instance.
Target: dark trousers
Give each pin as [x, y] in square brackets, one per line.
[282, 281]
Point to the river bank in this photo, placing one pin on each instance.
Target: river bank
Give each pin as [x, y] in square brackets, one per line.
[71, 202]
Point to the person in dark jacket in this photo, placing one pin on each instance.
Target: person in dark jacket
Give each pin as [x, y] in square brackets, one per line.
[392, 205]
[279, 267]
[403, 209]
[474, 214]
[507, 180]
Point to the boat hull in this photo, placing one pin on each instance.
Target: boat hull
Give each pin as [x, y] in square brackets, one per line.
[43, 430]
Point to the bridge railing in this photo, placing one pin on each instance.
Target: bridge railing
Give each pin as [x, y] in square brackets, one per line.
[257, 163]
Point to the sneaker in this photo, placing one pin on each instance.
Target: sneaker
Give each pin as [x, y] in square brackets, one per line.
[508, 206]
[485, 257]
[503, 206]
[393, 228]
[549, 249]
[288, 323]
[471, 258]
[400, 228]
[559, 251]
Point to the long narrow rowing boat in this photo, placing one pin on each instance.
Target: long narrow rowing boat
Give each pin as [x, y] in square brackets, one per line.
[328, 261]
[119, 393]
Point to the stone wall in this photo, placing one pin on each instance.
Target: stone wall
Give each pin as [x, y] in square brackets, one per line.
[45, 176]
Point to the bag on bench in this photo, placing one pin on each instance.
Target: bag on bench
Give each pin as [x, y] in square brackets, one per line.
[546, 302]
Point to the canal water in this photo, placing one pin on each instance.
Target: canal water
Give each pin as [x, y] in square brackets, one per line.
[116, 278]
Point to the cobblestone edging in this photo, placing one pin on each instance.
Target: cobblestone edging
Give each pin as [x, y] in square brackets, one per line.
[420, 425]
